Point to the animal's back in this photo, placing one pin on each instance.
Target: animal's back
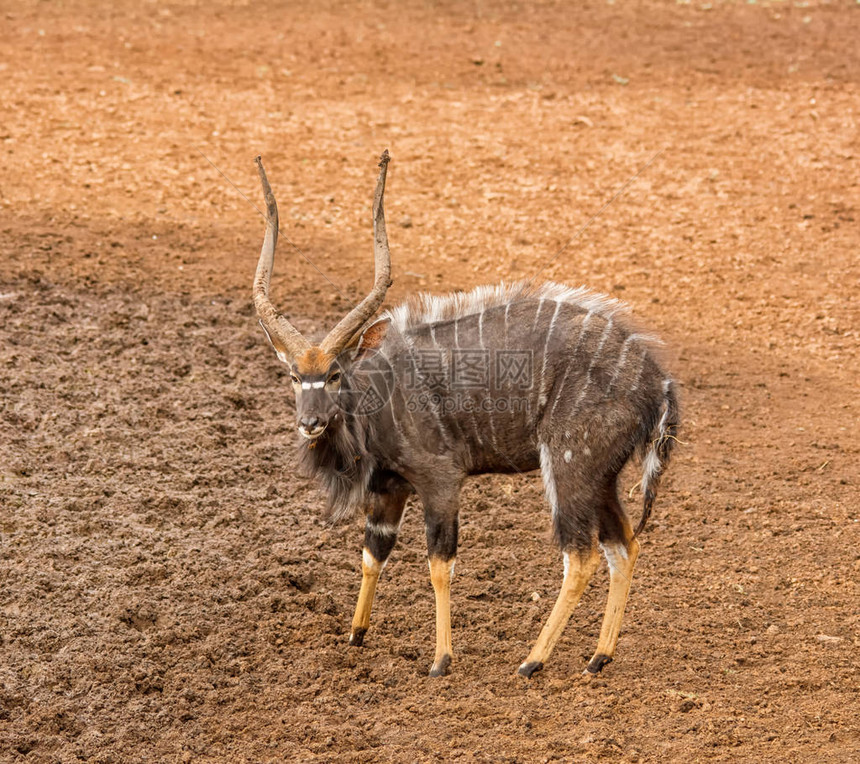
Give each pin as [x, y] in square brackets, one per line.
[499, 370]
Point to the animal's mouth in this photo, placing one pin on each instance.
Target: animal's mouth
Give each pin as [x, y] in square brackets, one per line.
[312, 434]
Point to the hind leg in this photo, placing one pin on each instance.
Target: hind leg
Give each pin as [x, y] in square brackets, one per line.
[574, 505]
[578, 569]
[621, 550]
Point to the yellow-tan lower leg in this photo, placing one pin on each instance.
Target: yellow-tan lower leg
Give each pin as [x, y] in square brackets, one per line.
[370, 570]
[621, 563]
[441, 572]
[578, 571]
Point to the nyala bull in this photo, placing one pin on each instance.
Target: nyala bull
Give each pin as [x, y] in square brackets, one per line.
[502, 379]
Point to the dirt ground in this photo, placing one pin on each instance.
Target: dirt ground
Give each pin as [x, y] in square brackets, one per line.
[169, 590]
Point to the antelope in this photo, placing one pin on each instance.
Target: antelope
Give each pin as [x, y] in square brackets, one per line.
[502, 379]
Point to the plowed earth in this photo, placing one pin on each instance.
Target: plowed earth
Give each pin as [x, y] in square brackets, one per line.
[169, 590]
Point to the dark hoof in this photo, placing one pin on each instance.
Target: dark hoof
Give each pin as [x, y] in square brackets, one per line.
[441, 667]
[527, 669]
[596, 664]
[356, 639]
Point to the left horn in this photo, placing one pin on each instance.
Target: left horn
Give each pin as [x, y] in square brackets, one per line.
[340, 336]
[286, 339]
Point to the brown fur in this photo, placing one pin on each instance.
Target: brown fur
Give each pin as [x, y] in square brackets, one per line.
[314, 362]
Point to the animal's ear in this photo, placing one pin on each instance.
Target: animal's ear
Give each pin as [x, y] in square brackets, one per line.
[371, 339]
[279, 346]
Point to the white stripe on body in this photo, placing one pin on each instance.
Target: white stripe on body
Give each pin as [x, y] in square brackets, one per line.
[447, 373]
[579, 340]
[537, 315]
[474, 417]
[625, 348]
[490, 417]
[635, 385]
[594, 358]
[622, 358]
[418, 376]
[544, 389]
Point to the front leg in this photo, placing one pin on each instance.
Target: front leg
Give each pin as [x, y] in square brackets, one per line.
[380, 533]
[442, 529]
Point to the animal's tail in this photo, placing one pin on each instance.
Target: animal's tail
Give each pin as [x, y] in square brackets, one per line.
[657, 451]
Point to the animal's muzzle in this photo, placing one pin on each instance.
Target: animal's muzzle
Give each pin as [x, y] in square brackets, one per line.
[311, 427]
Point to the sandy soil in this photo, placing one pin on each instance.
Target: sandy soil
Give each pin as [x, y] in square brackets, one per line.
[168, 589]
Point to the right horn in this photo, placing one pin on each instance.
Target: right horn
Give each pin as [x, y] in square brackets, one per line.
[285, 338]
[340, 336]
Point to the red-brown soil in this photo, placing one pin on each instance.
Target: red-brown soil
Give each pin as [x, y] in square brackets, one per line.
[168, 588]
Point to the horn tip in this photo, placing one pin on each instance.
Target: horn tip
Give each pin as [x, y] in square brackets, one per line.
[384, 159]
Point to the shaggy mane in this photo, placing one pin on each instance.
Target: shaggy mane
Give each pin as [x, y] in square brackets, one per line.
[425, 308]
[342, 464]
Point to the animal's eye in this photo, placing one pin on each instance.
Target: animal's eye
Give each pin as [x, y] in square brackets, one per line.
[294, 379]
[334, 378]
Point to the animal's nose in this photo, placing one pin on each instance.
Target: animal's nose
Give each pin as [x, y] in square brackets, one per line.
[310, 423]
